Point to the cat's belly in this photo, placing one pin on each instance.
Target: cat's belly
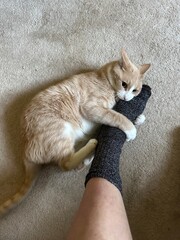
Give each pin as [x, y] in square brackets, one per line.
[86, 130]
[88, 127]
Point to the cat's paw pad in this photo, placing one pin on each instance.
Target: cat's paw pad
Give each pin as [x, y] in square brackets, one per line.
[131, 134]
[140, 120]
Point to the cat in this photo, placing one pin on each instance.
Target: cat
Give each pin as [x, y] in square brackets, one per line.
[62, 116]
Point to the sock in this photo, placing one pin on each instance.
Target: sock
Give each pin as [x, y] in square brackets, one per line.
[111, 140]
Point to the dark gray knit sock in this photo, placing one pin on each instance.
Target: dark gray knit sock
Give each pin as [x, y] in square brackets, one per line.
[110, 141]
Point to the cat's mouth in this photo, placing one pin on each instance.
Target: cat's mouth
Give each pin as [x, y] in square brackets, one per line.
[125, 99]
[124, 96]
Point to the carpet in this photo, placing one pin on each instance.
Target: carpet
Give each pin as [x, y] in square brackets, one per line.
[42, 42]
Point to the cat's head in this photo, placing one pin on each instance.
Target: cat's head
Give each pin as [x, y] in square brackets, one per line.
[126, 78]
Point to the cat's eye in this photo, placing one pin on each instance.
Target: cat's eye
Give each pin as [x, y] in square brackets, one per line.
[124, 84]
[135, 90]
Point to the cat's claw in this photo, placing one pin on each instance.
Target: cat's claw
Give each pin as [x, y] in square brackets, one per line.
[131, 134]
[140, 119]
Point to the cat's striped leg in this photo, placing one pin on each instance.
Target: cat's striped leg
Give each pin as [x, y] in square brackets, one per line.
[72, 161]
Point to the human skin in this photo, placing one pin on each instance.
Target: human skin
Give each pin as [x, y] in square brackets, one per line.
[101, 214]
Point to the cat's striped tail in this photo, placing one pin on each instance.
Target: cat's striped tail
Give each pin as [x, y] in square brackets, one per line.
[31, 172]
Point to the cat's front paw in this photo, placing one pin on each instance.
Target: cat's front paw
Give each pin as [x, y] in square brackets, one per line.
[140, 119]
[131, 134]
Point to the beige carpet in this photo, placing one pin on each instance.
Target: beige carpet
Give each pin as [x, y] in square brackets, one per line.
[43, 41]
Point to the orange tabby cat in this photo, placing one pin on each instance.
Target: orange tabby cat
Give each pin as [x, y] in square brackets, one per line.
[60, 117]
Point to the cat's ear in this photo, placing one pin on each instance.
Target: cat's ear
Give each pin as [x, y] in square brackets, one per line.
[143, 68]
[126, 64]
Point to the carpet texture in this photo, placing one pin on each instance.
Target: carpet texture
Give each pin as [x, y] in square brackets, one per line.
[42, 42]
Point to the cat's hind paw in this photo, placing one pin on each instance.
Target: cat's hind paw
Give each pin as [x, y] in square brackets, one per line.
[88, 161]
[85, 163]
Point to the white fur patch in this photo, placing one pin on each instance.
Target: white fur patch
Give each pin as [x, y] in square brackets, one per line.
[131, 134]
[89, 160]
[74, 133]
[140, 120]
[68, 130]
[121, 94]
[129, 94]
[126, 95]
[87, 127]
